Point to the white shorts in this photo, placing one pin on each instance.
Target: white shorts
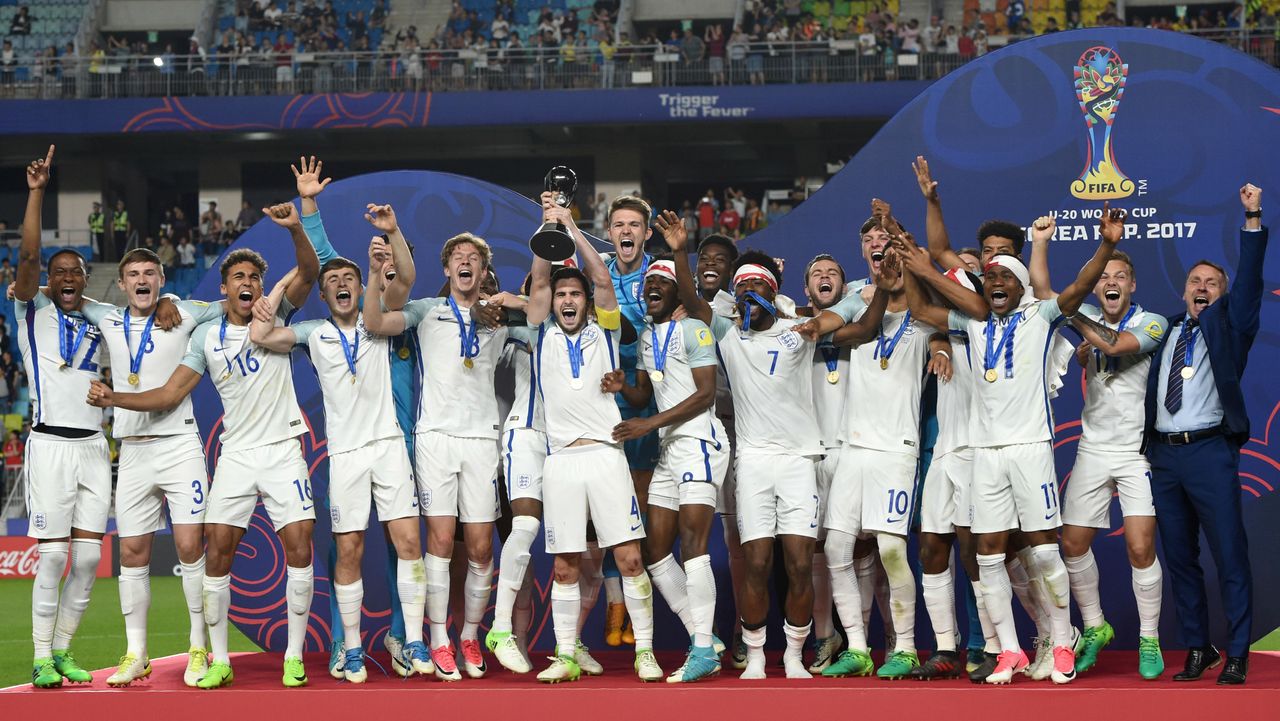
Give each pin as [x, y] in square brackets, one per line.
[826, 473]
[68, 483]
[524, 453]
[946, 503]
[873, 492]
[1014, 487]
[275, 471]
[379, 470]
[689, 472]
[777, 495]
[457, 476]
[164, 470]
[1096, 476]
[727, 500]
[589, 483]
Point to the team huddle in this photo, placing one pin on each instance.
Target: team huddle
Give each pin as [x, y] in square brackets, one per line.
[651, 393]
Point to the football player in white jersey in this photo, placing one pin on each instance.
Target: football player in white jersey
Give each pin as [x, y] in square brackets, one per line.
[676, 364]
[1119, 339]
[456, 439]
[368, 460]
[999, 237]
[261, 455]
[586, 474]
[1014, 485]
[768, 361]
[161, 456]
[66, 466]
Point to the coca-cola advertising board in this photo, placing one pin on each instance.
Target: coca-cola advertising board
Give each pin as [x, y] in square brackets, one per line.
[18, 556]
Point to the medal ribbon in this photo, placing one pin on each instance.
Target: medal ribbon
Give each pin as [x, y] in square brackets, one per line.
[830, 355]
[660, 360]
[466, 333]
[66, 347]
[884, 348]
[575, 354]
[746, 299]
[1006, 345]
[1110, 363]
[349, 350]
[135, 359]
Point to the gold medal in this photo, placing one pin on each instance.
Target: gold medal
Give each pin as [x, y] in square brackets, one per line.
[133, 379]
[884, 364]
[1188, 372]
[403, 353]
[468, 363]
[656, 376]
[353, 379]
[64, 365]
[991, 375]
[225, 376]
[833, 377]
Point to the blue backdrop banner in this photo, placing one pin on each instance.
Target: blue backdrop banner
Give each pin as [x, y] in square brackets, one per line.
[1164, 125]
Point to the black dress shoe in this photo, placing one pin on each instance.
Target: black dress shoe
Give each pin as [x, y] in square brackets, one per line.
[1234, 672]
[1199, 660]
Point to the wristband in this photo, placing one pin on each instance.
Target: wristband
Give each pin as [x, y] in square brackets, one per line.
[1251, 214]
[942, 352]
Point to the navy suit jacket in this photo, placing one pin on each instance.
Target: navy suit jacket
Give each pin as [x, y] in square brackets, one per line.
[1228, 328]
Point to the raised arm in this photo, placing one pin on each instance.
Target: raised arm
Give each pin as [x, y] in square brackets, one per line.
[377, 319]
[935, 230]
[539, 306]
[677, 238]
[1246, 292]
[27, 279]
[263, 329]
[165, 398]
[867, 325]
[286, 216]
[924, 309]
[309, 183]
[918, 263]
[396, 293]
[1041, 232]
[1108, 340]
[1111, 228]
[592, 265]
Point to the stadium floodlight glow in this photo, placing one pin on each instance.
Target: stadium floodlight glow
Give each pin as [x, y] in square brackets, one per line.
[158, 61]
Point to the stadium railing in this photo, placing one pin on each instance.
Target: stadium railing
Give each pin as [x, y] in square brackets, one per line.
[260, 73]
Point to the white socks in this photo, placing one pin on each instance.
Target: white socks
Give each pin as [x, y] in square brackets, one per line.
[999, 599]
[1056, 589]
[822, 625]
[672, 583]
[438, 599]
[522, 613]
[1027, 590]
[701, 585]
[1147, 588]
[135, 601]
[991, 642]
[299, 586]
[613, 589]
[85, 554]
[478, 588]
[411, 582]
[793, 657]
[1083, 571]
[590, 578]
[638, 592]
[566, 603]
[844, 587]
[940, 601]
[754, 639]
[350, 598]
[217, 599]
[902, 590]
[193, 592]
[44, 595]
[512, 565]
[865, 570]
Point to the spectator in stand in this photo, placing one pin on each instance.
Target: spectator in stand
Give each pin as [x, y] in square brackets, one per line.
[868, 50]
[9, 370]
[690, 219]
[737, 53]
[181, 229]
[378, 16]
[692, 49]
[607, 52]
[1073, 21]
[755, 55]
[13, 452]
[247, 217]
[211, 221]
[966, 44]
[4, 327]
[909, 34]
[951, 43]
[753, 219]
[730, 223]
[707, 211]
[1051, 25]
[21, 23]
[283, 53]
[168, 256]
[776, 211]
[6, 277]
[8, 65]
[714, 39]
[500, 29]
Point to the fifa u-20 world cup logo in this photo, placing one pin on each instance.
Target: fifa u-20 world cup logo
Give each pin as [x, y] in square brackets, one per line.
[1099, 81]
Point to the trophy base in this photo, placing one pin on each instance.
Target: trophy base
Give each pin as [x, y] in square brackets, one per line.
[552, 244]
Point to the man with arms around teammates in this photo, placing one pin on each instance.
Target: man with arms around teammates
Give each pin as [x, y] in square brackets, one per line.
[261, 455]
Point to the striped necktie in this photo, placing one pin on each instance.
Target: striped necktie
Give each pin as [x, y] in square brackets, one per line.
[1173, 384]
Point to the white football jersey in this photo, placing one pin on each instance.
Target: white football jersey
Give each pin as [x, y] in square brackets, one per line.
[955, 398]
[355, 413]
[1114, 413]
[829, 398]
[58, 391]
[518, 355]
[771, 374]
[160, 358]
[722, 305]
[1014, 408]
[882, 410]
[575, 408]
[688, 345]
[256, 385]
[456, 400]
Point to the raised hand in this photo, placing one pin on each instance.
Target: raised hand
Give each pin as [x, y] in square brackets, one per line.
[673, 230]
[308, 178]
[890, 270]
[283, 215]
[552, 213]
[382, 217]
[1111, 223]
[38, 171]
[100, 395]
[1042, 228]
[612, 381]
[912, 258]
[928, 186]
[1250, 195]
[264, 310]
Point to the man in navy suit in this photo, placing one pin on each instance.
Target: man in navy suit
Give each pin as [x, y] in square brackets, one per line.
[1196, 423]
